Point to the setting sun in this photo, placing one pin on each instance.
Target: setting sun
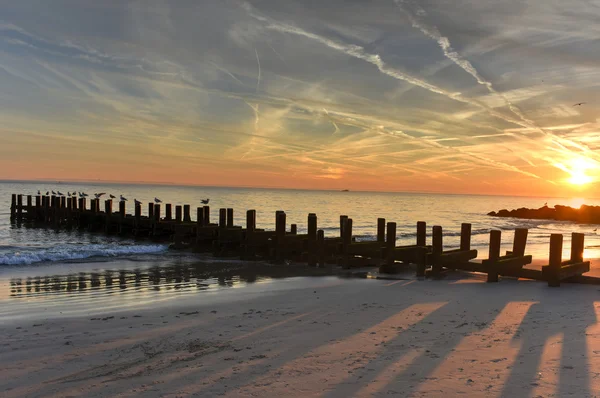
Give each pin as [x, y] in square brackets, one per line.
[578, 172]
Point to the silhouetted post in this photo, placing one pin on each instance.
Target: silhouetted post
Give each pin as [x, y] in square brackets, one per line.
[138, 214]
[168, 212]
[199, 218]
[421, 234]
[465, 236]
[122, 209]
[206, 215]
[187, 217]
[82, 204]
[346, 241]
[222, 218]
[280, 227]
[421, 260]
[555, 260]
[93, 205]
[229, 218]
[437, 247]
[312, 239]
[38, 207]
[251, 220]
[150, 211]
[342, 225]
[178, 210]
[321, 248]
[29, 206]
[155, 224]
[577, 240]
[19, 206]
[13, 205]
[390, 243]
[108, 214]
[381, 230]
[293, 229]
[494, 254]
[63, 202]
[520, 241]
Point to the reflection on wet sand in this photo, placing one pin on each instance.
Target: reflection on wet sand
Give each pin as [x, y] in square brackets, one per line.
[198, 276]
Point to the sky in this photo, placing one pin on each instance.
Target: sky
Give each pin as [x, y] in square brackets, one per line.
[461, 96]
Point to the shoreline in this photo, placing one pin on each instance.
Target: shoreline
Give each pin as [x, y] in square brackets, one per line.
[320, 336]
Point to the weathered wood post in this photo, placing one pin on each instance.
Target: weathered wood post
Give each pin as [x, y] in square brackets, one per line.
[342, 225]
[494, 254]
[199, 218]
[19, 206]
[421, 233]
[346, 241]
[168, 212]
[321, 248]
[63, 202]
[108, 214]
[465, 236]
[222, 218]
[577, 242]
[138, 216]
[312, 239]
[151, 211]
[280, 227]
[520, 241]
[229, 218]
[251, 220]
[13, 205]
[29, 206]
[555, 260]
[122, 215]
[206, 215]
[187, 217]
[437, 248]
[178, 210]
[381, 230]
[293, 229]
[93, 205]
[390, 244]
[38, 207]
[156, 223]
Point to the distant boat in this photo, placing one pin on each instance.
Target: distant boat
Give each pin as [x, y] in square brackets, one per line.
[345, 190]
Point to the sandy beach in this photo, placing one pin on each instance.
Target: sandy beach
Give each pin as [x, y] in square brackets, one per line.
[316, 336]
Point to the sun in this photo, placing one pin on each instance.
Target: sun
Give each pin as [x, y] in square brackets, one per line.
[578, 172]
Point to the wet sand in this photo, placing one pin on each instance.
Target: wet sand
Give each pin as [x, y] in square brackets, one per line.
[307, 336]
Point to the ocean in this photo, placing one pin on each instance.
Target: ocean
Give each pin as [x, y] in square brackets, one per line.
[52, 257]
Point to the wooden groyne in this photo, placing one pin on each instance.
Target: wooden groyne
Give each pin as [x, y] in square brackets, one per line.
[583, 215]
[224, 238]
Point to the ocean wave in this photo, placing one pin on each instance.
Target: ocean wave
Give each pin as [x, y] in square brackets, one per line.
[69, 253]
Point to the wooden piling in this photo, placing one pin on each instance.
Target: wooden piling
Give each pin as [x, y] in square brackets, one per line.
[421, 233]
[122, 209]
[555, 260]
[312, 239]
[280, 227]
[577, 240]
[168, 212]
[465, 236]
[381, 230]
[293, 229]
[156, 220]
[199, 218]
[186, 213]
[206, 215]
[178, 210]
[151, 211]
[138, 215]
[321, 248]
[342, 224]
[251, 220]
[520, 241]
[437, 247]
[390, 243]
[63, 203]
[13, 205]
[108, 214]
[19, 206]
[494, 254]
[29, 206]
[222, 218]
[229, 218]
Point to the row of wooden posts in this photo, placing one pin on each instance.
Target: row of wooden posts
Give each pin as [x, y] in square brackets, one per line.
[313, 247]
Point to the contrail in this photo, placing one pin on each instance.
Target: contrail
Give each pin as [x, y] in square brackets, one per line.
[258, 78]
[337, 129]
[227, 72]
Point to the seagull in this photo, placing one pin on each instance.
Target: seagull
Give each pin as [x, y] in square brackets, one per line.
[123, 198]
[47, 193]
[580, 103]
[99, 195]
[204, 201]
[39, 192]
[157, 200]
[595, 229]
[60, 193]
[137, 202]
[112, 196]
[546, 204]
[53, 193]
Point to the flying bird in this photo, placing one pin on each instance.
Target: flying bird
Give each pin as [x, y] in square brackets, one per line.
[157, 200]
[580, 103]
[123, 198]
[204, 201]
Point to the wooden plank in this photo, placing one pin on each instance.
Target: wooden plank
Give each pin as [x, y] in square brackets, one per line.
[574, 270]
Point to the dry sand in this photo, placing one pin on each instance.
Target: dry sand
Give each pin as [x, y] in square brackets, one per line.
[314, 337]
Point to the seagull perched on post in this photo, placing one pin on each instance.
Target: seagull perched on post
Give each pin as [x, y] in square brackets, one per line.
[99, 195]
[53, 193]
[47, 193]
[112, 196]
[122, 198]
[204, 201]
[137, 202]
[157, 200]
[39, 192]
[60, 193]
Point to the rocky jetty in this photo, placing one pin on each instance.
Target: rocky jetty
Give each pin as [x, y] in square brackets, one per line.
[584, 215]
